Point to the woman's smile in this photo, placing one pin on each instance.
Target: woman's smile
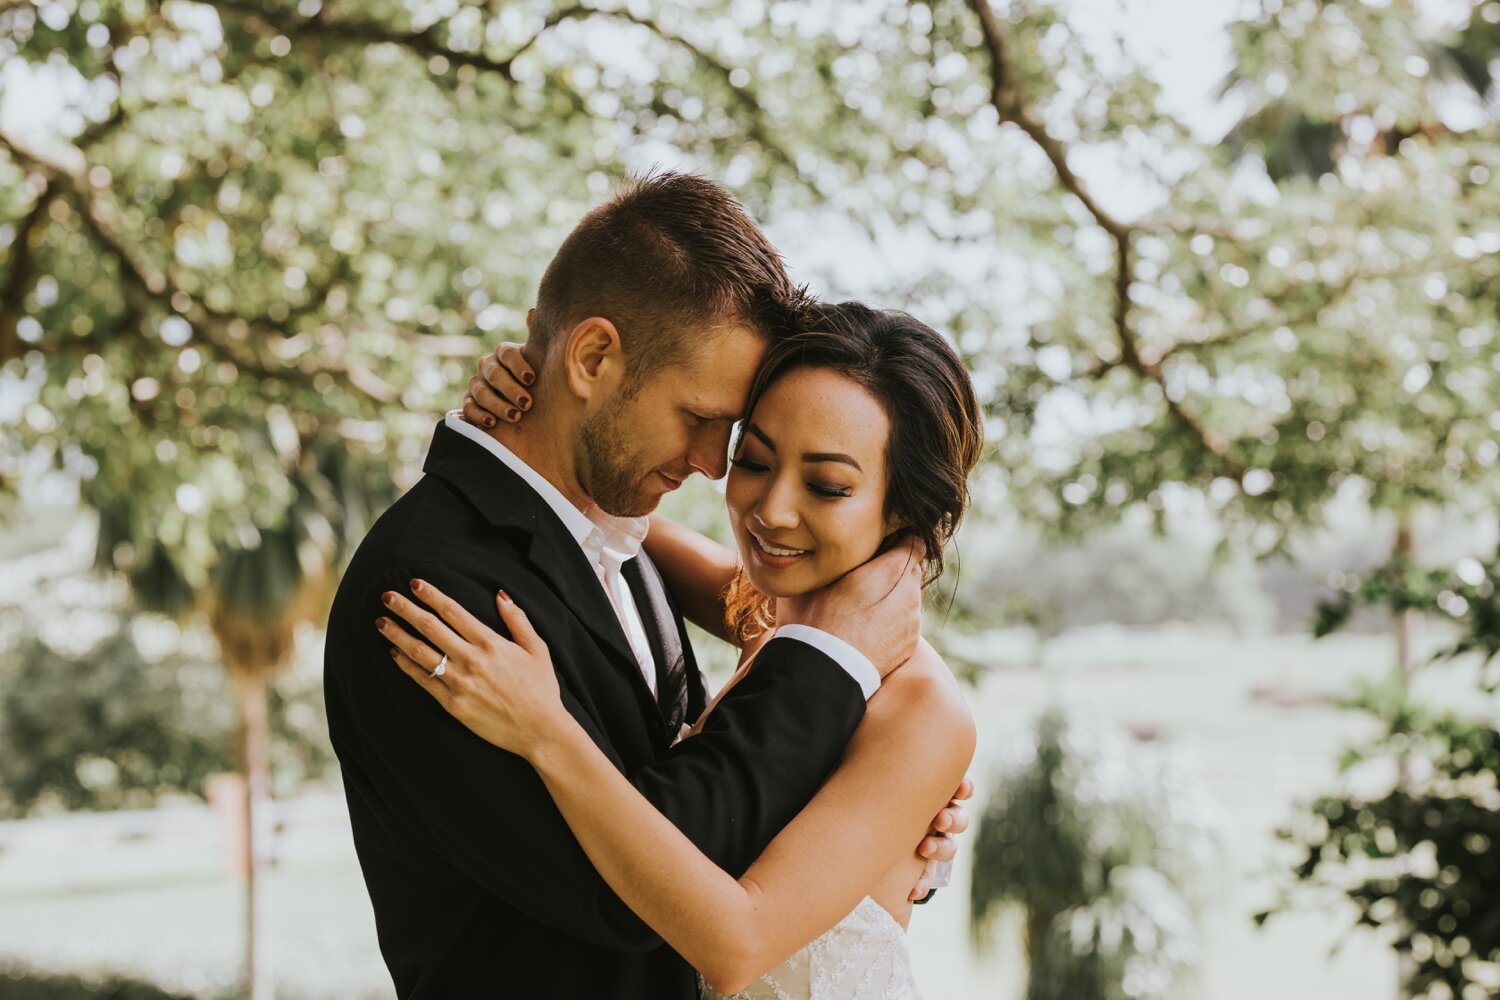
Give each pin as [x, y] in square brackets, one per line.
[775, 556]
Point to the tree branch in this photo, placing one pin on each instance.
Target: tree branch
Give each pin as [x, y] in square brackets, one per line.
[362, 31]
[1009, 100]
[428, 44]
[18, 282]
[140, 277]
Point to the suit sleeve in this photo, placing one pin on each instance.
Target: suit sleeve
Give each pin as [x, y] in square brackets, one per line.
[769, 745]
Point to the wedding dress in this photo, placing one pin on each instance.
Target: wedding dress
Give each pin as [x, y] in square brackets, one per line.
[864, 957]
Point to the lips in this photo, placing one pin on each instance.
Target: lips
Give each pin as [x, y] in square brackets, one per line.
[672, 484]
[775, 556]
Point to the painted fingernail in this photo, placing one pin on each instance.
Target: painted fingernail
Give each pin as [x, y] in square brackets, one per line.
[395, 654]
[388, 598]
[380, 623]
[512, 413]
[488, 421]
[416, 585]
[504, 597]
[527, 378]
[524, 402]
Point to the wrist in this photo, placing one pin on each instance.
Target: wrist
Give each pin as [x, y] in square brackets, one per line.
[554, 741]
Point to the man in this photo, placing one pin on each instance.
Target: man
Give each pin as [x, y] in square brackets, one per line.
[649, 325]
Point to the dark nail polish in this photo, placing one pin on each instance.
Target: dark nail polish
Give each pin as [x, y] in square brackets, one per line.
[512, 413]
[380, 624]
[524, 402]
[416, 585]
[527, 378]
[394, 653]
[488, 421]
[388, 598]
[504, 597]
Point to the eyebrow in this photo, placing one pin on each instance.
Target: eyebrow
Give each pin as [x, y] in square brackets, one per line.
[807, 456]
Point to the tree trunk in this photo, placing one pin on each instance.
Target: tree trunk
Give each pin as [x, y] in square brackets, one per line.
[255, 758]
[1408, 623]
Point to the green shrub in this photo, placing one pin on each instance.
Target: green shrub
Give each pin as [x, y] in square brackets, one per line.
[116, 727]
[25, 984]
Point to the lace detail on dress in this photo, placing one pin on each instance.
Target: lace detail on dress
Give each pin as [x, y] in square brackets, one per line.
[864, 957]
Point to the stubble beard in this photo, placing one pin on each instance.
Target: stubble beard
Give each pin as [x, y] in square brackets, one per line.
[613, 473]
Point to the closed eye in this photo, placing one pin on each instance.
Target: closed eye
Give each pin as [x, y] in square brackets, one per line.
[831, 492]
[745, 465]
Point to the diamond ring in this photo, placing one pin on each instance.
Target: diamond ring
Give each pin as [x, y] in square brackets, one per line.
[441, 668]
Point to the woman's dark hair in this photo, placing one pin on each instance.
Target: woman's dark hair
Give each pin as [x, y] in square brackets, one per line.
[937, 426]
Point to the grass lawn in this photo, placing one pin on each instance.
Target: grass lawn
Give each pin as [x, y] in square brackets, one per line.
[159, 903]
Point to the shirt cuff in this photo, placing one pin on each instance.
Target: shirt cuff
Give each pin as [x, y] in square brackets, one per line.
[855, 663]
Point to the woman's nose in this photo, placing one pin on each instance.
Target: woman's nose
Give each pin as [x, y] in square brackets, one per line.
[776, 509]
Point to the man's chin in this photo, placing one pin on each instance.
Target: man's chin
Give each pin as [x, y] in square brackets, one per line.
[635, 506]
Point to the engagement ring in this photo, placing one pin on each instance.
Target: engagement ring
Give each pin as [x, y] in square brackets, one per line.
[441, 668]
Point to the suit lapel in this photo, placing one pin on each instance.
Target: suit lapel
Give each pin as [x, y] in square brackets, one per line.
[506, 501]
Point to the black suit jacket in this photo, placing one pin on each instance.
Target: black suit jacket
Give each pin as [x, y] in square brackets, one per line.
[478, 886]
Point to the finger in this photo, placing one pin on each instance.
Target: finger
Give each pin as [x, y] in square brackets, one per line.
[965, 789]
[428, 624]
[520, 626]
[455, 615]
[514, 360]
[946, 849]
[474, 415]
[922, 888]
[958, 820]
[501, 406]
[432, 685]
[937, 847]
[494, 373]
[943, 821]
[413, 648]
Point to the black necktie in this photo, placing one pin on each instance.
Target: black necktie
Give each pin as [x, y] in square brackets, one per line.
[666, 642]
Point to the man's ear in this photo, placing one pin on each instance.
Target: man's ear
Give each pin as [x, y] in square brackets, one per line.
[593, 359]
[530, 314]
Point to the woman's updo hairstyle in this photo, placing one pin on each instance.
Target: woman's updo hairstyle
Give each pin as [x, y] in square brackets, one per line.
[937, 426]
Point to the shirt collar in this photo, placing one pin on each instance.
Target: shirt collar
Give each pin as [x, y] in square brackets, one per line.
[596, 532]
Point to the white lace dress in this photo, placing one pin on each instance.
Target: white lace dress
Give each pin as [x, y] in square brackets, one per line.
[864, 957]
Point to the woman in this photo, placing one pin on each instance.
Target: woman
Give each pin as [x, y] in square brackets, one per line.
[860, 432]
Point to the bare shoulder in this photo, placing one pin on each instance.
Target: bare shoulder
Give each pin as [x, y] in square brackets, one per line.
[923, 697]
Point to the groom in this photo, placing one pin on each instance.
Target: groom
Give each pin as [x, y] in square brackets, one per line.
[649, 325]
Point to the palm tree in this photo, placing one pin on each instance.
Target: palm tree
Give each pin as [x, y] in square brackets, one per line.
[1099, 847]
[253, 598]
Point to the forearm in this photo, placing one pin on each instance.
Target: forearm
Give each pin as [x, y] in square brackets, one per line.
[705, 914]
[697, 570]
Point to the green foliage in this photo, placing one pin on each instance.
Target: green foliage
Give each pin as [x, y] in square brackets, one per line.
[112, 727]
[22, 984]
[1417, 860]
[1466, 596]
[1100, 847]
[275, 230]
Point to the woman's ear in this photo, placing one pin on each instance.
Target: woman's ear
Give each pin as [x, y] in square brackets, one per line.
[593, 359]
[895, 532]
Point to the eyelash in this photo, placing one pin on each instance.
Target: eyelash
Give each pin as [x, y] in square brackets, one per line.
[826, 492]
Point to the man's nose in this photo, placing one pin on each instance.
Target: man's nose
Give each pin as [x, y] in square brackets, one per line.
[710, 455]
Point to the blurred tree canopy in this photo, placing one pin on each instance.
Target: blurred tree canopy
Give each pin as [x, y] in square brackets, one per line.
[258, 248]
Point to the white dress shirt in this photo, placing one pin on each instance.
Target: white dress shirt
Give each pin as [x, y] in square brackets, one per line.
[608, 542]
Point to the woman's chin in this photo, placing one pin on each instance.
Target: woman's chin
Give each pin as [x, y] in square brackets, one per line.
[793, 581]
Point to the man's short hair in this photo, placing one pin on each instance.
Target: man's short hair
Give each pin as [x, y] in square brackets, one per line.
[665, 255]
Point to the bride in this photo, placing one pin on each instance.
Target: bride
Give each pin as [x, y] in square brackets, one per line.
[860, 432]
